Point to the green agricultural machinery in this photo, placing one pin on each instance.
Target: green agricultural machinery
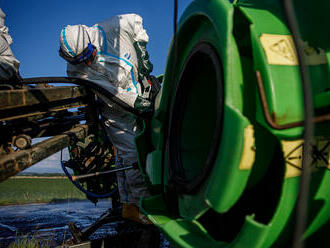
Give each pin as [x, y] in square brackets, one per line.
[225, 145]
[237, 152]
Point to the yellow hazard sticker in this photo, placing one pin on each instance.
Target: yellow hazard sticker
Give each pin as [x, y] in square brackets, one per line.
[280, 50]
[248, 153]
[293, 151]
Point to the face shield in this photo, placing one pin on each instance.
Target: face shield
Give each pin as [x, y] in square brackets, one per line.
[86, 56]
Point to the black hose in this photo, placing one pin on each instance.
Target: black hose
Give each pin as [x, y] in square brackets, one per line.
[166, 121]
[88, 193]
[302, 206]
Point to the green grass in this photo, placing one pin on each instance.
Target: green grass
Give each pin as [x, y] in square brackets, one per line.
[36, 190]
[30, 243]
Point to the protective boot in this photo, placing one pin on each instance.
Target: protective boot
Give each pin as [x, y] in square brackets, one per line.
[131, 212]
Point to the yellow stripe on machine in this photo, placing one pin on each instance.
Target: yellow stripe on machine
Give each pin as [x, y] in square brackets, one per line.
[248, 154]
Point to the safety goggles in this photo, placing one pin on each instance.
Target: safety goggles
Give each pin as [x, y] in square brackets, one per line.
[84, 56]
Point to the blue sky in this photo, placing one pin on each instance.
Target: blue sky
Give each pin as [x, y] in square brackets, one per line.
[35, 26]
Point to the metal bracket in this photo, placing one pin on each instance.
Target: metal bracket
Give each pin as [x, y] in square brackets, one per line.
[271, 117]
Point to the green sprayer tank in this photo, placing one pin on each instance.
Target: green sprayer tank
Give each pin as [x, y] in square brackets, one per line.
[223, 152]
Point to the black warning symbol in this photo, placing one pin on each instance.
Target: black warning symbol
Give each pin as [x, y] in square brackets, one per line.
[320, 155]
[284, 49]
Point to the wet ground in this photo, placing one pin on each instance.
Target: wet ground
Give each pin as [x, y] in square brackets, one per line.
[49, 221]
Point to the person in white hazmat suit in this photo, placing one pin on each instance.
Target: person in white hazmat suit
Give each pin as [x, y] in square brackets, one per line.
[8, 63]
[113, 54]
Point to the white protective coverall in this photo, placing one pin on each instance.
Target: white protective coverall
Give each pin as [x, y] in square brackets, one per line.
[115, 69]
[8, 63]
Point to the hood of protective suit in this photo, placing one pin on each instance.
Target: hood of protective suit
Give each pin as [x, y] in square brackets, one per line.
[117, 63]
[2, 18]
[3, 28]
[74, 39]
[9, 64]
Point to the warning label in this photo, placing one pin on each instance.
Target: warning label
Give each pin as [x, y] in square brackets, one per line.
[280, 50]
[293, 151]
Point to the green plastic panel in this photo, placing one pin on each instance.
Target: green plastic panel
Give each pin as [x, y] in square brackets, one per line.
[321, 203]
[190, 233]
[228, 180]
[252, 234]
[228, 188]
[279, 80]
[284, 210]
[153, 168]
